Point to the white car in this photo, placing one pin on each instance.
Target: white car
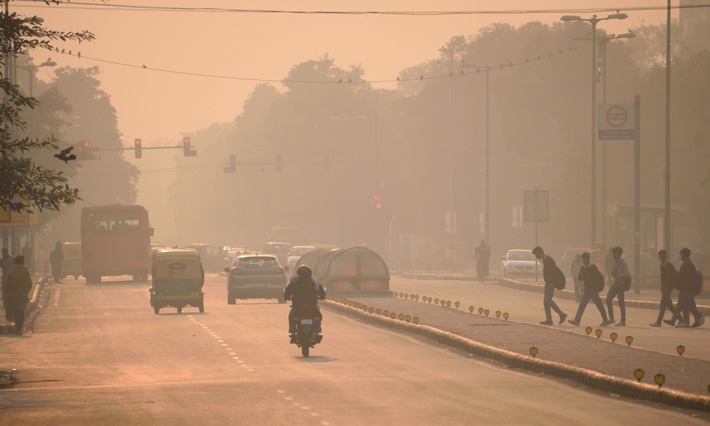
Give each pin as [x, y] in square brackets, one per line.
[520, 263]
[295, 254]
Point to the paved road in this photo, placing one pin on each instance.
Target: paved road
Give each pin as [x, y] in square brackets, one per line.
[526, 307]
[98, 355]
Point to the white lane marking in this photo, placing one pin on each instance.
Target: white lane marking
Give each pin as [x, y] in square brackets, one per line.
[288, 398]
[55, 302]
[232, 353]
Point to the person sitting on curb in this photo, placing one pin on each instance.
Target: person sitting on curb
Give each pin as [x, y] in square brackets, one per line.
[19, 287]
[593, 281]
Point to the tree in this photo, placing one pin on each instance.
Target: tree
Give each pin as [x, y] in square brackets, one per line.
[23, 183]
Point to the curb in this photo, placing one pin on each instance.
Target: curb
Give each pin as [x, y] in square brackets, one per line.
[588, 377]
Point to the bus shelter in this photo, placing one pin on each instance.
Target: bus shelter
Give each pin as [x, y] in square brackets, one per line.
[357, 269]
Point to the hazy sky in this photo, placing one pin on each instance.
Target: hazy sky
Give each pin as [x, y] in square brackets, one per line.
[154, 104]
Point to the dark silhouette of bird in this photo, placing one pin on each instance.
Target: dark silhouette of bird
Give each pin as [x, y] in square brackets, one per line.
[65, 155]
[144, 66]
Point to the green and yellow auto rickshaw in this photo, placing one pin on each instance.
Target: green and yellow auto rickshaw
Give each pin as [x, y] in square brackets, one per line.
[177, 277]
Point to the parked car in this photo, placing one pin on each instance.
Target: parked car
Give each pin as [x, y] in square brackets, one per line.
[256, 276]
[520, 263]
[295, 254]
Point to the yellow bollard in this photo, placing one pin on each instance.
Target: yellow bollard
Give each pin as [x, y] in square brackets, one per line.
[629, 340]
[471, 308]
[416, 320]
[588, 330]
[498, 314]
[680, 349]
[457, 304]
[660, 379]
[506, 315]
[613, 336]
[533, 351]
[598, 332]
[639, 373]
[480, 311]
[486, 312]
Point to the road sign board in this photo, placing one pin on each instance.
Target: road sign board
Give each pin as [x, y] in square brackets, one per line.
[536, 206]
[616, 121]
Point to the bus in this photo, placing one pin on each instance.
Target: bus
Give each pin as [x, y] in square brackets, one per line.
[115, 241]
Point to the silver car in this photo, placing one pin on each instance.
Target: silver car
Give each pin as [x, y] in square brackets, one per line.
[255, 276]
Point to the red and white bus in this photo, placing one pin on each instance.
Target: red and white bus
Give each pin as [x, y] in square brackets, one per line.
[115, 241]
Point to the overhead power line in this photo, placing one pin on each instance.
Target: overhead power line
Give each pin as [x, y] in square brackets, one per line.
[473, 70]
[74, 5]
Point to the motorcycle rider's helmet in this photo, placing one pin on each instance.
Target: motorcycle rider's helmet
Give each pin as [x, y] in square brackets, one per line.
[304, 271]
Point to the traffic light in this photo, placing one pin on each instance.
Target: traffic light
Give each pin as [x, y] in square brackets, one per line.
[85, 144]
[187, 148]
[378, 201]
[138, 148]
[277, 163]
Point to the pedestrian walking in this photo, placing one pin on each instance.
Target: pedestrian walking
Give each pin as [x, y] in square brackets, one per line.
[6, 262]
[621, 283]
[483, 257]
[27, 253]
[688, 288]
[554, 279]
[609, 265]
[575, 267]
[593, 282]
[56, 261]
[668, 278]
[19, 287]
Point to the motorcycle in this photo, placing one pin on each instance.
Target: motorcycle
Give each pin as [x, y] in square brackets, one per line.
[307, 317]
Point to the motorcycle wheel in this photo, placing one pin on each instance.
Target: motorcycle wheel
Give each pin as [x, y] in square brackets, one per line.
[156, 311]
[305, 349]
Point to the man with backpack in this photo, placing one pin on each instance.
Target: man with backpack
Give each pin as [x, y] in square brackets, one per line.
[668, 277]
[554, 279]
[689, 285]
[593, 281]
[621, 283]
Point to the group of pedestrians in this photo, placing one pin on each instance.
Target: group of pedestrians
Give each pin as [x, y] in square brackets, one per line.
[16, 287]
[590, 281]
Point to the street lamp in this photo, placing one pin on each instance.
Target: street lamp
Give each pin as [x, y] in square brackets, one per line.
[451, 218]
[487, 206]
[603, 41]
[32, 68]
[594, 21]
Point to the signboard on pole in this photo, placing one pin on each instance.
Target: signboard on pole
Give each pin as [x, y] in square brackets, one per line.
[536, 206]
[616, 121]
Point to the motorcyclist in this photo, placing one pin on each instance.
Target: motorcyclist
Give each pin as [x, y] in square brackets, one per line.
[303, 289]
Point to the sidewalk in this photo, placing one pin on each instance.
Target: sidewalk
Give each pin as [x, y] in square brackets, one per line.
[37, 286]
[595, 362]
[646, 299]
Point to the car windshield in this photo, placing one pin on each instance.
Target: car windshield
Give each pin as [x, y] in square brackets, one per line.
[521, 255]
[257, 262]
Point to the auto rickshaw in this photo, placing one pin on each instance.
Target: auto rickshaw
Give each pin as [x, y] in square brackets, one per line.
[177, 280]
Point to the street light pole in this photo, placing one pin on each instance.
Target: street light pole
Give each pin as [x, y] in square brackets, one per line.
[31, 69]
[604, 41]
[667, 202]
[487, 214]
[594, 21]
[450, 216]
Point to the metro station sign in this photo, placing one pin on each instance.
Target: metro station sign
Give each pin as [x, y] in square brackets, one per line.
[616, 121]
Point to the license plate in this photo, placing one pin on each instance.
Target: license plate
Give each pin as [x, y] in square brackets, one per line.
[306, 321]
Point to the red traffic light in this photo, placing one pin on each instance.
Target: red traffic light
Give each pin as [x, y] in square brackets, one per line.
[186, 140]
[138, 148]
[378, 203]
[85, 143]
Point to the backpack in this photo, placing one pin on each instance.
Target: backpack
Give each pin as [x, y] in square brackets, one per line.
[698, 283]
[560, 280]
[596, 279]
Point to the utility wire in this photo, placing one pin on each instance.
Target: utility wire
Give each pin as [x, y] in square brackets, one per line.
[462, 73]
[142, 8]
